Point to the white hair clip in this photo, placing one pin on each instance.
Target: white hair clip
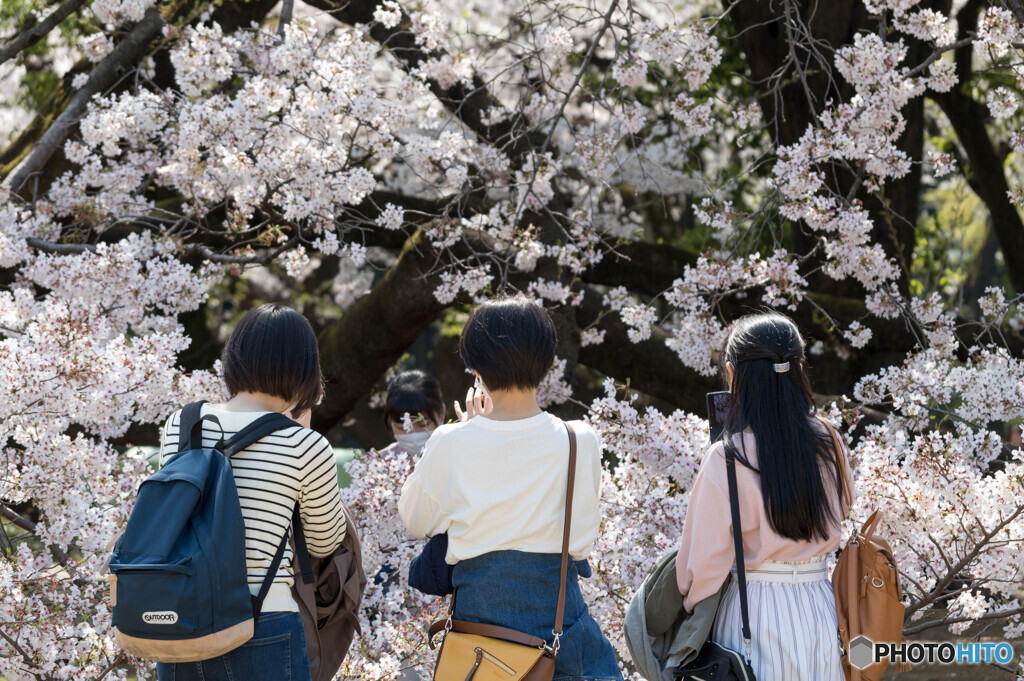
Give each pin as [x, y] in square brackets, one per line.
[781, 368]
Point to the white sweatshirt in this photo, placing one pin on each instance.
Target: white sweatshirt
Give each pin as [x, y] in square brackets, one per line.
[500, 485]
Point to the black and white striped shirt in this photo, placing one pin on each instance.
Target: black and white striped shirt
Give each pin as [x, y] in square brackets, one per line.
[288, 466]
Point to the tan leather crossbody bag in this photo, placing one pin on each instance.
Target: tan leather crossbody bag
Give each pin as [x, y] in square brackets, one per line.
[866, 583]
[483, 652]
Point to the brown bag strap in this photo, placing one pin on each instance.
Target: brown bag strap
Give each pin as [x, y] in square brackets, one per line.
[853, 598]
[869, 526]
[449, 623]
[488, 630]
[563, 573]
[845, 488]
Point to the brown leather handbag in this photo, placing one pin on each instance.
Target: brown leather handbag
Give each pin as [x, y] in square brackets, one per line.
[329, 604]
[866, 583]
[484, 652]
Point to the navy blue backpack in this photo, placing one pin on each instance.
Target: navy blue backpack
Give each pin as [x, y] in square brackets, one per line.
[178, 577]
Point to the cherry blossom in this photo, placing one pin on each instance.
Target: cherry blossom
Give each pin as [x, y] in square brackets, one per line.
[310, 146]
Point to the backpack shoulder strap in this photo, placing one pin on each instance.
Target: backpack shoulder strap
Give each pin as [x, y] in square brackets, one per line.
[255, 431]
[845, 487]
[190, 416]
[301, 552]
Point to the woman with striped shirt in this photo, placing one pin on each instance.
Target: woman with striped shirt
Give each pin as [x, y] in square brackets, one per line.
[270, 364]
[788, 479]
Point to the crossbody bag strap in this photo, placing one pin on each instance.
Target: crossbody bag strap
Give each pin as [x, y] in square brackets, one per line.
[564, 570]
[450, 624]
[737, 539]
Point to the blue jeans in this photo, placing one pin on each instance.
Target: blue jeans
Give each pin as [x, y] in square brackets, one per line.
[519, 590]
[276, 652]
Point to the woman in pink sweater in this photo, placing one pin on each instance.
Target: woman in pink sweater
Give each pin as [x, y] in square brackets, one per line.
[788, 484]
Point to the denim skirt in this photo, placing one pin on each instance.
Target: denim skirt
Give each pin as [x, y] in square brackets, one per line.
[276, 652]
[519, 590]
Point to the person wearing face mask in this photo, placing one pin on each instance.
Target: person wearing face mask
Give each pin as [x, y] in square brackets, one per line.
[417, 395]
[413, 409]
[430, 572]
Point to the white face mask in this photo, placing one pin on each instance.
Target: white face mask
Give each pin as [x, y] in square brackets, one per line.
[413, 443]
[479, 385]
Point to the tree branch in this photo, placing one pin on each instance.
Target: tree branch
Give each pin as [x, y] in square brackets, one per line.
[7, 514]
[955, 570]
[230, 16]
[650, 366]
[910, 631]
[193, 249]
[1017, 8]
[18, 649]
[125, 56]
[286, 16]
[469, 103]
[641, 266]
[29, 37]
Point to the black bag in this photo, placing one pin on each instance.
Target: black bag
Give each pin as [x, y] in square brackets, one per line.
[716, 662]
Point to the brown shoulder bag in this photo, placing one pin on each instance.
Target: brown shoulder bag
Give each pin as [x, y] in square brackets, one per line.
[866, 583]
[484, 652]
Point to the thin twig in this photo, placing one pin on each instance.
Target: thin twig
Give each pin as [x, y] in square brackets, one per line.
[908, 631]
[24, 523]
[21, 651]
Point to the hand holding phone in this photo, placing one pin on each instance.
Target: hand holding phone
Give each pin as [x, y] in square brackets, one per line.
[718, 407]
[478, 403]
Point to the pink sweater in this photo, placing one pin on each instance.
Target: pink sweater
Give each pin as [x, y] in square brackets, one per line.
[706, 552]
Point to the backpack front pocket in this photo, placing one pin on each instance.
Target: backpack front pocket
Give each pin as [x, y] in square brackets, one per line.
[155, 601]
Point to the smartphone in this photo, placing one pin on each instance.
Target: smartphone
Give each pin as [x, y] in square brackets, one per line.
[718, 407]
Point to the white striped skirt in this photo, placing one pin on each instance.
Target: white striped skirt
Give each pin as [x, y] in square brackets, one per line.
[792, 622]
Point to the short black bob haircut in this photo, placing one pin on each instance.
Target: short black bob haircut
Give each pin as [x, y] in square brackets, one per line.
[273, 350]
[510, 342]
[413, 392]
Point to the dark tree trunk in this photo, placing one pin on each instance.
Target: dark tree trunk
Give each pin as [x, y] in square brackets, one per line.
[376, 330]
[790, 102]
[986, 177]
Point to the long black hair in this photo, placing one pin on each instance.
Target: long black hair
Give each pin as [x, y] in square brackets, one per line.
[777, 405]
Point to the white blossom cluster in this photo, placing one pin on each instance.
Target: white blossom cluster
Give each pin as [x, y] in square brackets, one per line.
[117, 12]
[274, 140]
[89, 346]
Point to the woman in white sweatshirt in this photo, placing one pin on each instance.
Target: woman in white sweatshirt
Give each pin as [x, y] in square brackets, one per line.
[496, 483]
